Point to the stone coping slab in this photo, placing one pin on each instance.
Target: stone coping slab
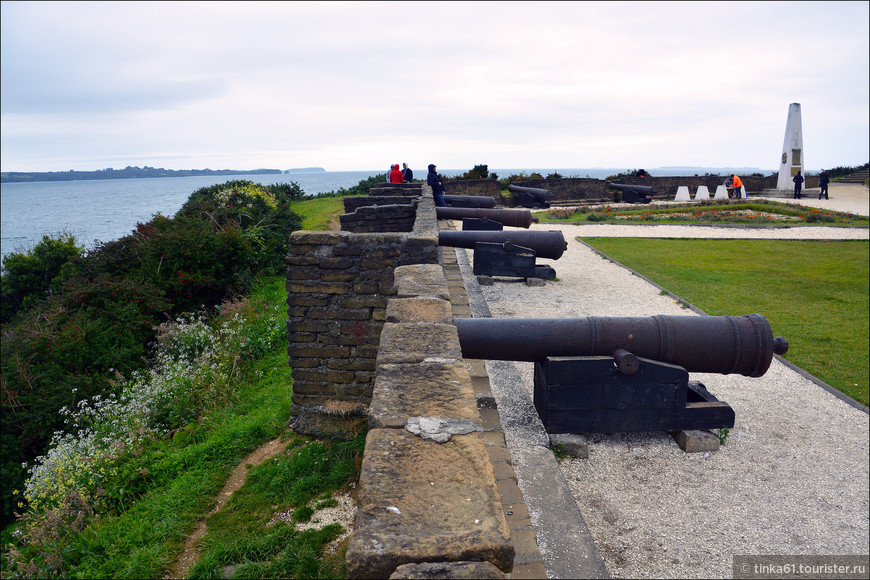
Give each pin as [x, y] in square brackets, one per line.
[425, 389]
[421, 281]
[420, 342]
[412, 310]
[421, 501]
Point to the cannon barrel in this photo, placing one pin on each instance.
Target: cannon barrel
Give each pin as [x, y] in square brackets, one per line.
[540, 194]
[711, 344]
[469, 201]
[642, 189]
[547, 244]
[518, 218]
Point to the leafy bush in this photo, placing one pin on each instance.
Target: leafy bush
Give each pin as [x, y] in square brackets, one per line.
[114, 448]
[33, 276]
[521, 176]
[477, 172]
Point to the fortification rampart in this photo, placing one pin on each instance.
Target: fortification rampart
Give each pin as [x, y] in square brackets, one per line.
[372, 343]
[589, 190]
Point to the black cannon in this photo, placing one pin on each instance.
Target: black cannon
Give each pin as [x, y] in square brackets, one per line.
[632, 193]
[626, 374]
[508, 253]
[518, 218]
[469, 201]
[532, 197]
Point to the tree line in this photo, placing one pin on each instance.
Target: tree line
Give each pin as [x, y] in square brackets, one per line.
[126, 173]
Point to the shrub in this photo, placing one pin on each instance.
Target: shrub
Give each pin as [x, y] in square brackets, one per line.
[33, 276]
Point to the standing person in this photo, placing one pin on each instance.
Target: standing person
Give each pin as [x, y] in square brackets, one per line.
[396, 174]
[734, 189]
[823, 184]
[437, 187]
[798, 180]
[407, 174]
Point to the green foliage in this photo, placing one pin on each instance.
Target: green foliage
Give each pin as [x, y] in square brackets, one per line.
[722, 435]
[521, 176]
[712, 211]
[477, 172]
[32, 276]
[843, 171]
[75, 319]
[621, 174]
[88, 515]
[307, 470]
[62, 352]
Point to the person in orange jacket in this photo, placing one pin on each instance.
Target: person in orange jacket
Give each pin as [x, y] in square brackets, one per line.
[734, 189]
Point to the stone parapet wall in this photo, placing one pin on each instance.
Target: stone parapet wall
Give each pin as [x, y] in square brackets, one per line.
[338, 285]
[401, 189]
[351, 204]
[397, 217]
[587, 189]
[477, 187]
[427, 491]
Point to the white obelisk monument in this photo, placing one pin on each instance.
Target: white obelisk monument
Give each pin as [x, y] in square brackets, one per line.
[792, 159]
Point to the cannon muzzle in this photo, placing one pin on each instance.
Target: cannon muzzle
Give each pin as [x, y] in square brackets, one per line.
[709, 344]
[469, 201]
[518, 218]
[549, 244]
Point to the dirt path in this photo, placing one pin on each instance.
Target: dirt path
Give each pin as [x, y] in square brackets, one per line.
[190, 554]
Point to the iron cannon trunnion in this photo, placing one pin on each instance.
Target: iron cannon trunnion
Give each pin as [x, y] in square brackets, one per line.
[712, 344]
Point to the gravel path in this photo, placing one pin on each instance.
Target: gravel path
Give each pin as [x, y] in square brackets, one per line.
[792, 478]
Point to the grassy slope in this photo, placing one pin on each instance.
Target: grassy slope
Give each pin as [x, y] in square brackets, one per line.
[143, 541]
[814, 293]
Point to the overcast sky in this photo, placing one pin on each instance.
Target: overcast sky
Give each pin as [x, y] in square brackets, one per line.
[359, 86]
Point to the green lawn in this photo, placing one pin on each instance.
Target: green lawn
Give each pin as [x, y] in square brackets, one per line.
[814, 293]
[317, 213]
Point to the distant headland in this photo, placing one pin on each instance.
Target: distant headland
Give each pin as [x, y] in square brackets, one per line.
[127, 173]
[306, 170]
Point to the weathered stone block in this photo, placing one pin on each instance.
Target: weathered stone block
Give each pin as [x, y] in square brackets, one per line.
[696, 440]
[306, 351]
[572, 444]
[412, 310]
[421, 501]
[317, 288]
[428, 389]
[456, 570]
[421, 280]
[413, 343]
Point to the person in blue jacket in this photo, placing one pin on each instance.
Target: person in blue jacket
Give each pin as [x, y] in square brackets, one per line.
[798, 180]
[823, 184]
[407, 173]
[437, 187]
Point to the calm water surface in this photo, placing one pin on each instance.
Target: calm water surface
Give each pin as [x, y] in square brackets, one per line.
[106, 210]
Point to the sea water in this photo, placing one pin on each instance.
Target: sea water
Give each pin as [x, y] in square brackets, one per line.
[106, 210]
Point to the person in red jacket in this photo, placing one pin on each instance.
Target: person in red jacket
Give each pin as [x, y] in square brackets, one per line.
[396, 174]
